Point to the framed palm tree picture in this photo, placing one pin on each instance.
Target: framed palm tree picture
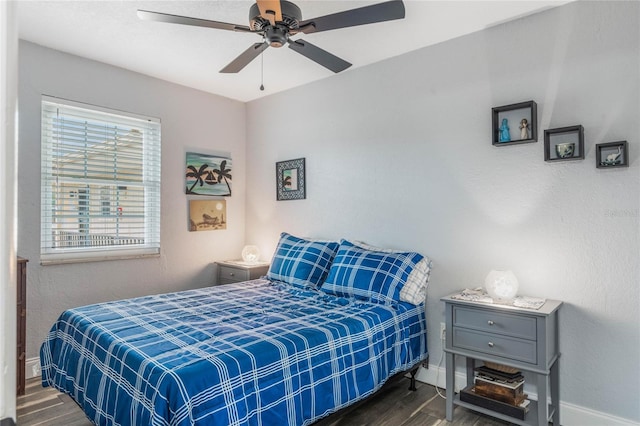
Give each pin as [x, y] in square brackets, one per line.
[290, 180]
[208, 175]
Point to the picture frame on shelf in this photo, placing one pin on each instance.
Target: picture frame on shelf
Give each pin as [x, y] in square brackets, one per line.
[515, 124]
[612, 154]
[290, 180]
[564, 143]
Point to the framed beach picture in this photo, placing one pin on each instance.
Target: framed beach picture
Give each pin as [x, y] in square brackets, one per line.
[290, 180]
[208, 175]
[207, 215]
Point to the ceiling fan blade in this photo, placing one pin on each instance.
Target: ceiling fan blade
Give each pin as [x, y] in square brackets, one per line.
[185, 20]
[270, 10]
[319, 56]
[380, 12]
[245, 57]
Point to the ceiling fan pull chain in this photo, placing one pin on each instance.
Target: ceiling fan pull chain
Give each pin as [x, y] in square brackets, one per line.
[262, 71]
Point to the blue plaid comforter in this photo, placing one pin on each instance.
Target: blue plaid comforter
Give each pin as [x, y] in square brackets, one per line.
[252, 353]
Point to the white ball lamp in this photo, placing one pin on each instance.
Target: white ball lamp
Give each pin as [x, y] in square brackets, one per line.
[502, 286]
[251, 254]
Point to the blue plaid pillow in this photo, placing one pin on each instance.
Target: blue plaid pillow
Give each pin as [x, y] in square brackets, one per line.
[415, 289]
[301, 262]
[367, 274]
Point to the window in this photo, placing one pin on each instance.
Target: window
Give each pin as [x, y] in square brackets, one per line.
[100, 184]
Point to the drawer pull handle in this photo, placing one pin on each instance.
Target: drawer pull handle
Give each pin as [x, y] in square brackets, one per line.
[490, 344]
[490, 322]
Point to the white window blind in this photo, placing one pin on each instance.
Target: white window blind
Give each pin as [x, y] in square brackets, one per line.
[100, 183]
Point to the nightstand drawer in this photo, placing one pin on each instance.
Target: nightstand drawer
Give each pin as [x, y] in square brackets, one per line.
[237, 271]
[515, 325]
[231, 275]
[495, 344]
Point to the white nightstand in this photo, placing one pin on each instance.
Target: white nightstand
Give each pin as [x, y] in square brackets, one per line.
[233, 271]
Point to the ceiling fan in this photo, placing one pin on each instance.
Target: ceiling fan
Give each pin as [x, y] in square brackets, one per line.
[277, 20]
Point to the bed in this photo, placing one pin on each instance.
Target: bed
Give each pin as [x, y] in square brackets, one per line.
[287, 349]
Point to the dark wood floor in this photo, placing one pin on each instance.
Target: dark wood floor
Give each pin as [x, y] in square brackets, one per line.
[393, 405]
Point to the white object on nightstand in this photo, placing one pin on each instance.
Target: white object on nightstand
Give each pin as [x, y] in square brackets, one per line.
[502, 286]
[251, 254]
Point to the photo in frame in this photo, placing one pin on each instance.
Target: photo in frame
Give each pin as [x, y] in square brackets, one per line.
[612, 154]
[564, 143]
[290, 180]
[207, 215]
[208, 175]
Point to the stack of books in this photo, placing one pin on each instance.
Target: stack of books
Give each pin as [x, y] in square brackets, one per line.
[498, 391]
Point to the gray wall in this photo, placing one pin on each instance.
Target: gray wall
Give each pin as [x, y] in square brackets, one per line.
[190, 120]
[399, 154]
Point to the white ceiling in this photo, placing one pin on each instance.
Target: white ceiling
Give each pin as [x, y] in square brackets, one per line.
[110, 31]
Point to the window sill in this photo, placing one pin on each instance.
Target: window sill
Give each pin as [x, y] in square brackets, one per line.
[65, 258]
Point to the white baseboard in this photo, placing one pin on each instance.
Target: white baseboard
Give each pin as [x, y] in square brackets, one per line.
[32, 367]
[570, 414]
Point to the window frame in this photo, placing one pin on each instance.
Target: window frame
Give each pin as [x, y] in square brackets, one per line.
[150, 184]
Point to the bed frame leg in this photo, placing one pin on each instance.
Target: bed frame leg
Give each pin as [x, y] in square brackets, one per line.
[412, 386]
[425, 364]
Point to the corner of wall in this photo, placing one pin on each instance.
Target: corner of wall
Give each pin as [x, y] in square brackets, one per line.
[8, 147]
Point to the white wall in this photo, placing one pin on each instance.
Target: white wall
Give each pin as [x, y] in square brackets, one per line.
[399, 154]
[8, 107]
[191, 120]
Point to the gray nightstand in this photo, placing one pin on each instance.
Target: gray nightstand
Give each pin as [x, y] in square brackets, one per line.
[233, 271]
[526, 339]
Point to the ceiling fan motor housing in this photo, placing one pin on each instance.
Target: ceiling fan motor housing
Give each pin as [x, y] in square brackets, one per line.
[276, 35]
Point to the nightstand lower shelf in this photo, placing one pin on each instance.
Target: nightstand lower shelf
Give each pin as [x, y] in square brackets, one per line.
[531, 418]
